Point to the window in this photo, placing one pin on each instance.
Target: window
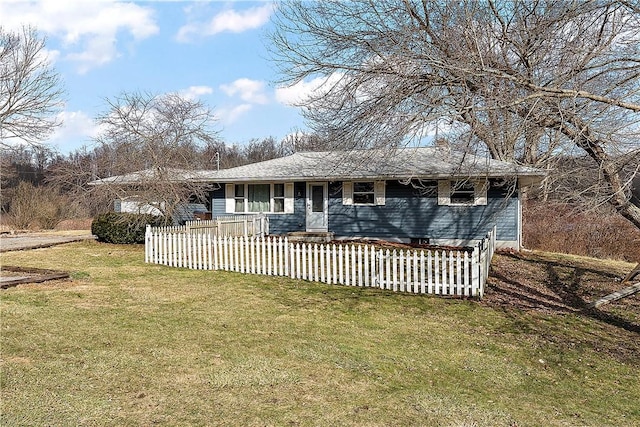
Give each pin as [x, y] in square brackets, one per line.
[239, 198]
[462, 193]
[317, 197]
[256, 198]
[368, 193]
[363, 193]
[278, 197]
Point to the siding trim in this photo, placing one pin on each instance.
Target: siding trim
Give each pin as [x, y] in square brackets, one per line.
[230, 199]
[288, 197]
[379, 192]
[347, 193]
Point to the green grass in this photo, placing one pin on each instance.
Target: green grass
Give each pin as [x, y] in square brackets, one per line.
[127, 344]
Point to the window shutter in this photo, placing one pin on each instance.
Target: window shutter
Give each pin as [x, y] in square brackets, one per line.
[480, 190]
[230, 201]
[347, 193]
[444, 192]
[379, 190]
[288, 197]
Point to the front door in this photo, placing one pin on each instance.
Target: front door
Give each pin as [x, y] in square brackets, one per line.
[317, 206]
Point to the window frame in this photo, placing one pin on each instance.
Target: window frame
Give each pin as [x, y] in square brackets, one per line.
[232, 198]
[447, 189]
[274, 197]
[379, 193]
[463, 192]
[371, 193]
[242, 198]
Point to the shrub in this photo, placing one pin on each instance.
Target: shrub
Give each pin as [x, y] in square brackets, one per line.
[123, 228]
[31, 207]
[555, 227]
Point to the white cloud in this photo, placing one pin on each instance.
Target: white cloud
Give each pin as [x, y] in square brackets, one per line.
[301, 92]
[229, 116]
[88, 30]
[194, 92]
[97, 52]
[75, 124]
[50, 56]
[228, 20]
[249, 90]
[77, 129]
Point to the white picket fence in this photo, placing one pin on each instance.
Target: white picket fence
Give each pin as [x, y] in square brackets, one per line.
[222, 226]
[440, 272]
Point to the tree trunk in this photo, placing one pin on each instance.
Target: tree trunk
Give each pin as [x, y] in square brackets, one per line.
[578, 131]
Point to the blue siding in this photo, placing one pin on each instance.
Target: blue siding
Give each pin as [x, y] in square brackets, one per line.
[407, 214]
[218, 204]
[285, 223]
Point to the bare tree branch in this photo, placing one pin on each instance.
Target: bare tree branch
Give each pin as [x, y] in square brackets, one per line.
[30, 93]
[157, 137]
[531, 82]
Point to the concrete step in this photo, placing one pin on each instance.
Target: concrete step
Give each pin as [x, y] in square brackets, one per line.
[310, 237]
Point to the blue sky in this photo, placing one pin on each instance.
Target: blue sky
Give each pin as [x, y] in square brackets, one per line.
[215, 51]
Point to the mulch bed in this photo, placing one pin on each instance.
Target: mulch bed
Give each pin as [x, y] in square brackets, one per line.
[385, 244]
[12, 275]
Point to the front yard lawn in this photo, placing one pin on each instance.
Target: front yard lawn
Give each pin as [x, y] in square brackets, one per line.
[125, 343]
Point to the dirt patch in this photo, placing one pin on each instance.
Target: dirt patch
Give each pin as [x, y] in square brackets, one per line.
[557, 285]
[544, 282]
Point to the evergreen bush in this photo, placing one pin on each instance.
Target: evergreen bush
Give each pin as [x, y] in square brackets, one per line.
[123, 228]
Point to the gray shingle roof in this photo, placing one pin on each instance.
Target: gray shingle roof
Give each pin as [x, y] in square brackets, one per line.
[146, 175]
[422, 162]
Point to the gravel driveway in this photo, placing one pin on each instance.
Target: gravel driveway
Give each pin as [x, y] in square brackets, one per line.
[39, 240]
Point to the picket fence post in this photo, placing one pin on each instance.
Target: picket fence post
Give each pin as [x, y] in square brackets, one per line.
[147, 241]
[442, 272]
[475, 271]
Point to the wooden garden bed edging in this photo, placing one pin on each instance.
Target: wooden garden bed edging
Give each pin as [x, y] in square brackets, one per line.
[31, 275]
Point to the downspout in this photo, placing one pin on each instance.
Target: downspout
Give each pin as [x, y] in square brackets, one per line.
[520, 191]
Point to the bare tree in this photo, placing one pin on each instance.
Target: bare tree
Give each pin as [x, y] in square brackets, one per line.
[523, 81]
[71, 175]
[302, 141]
[72, 172]
[27, 199]
[265, 149]
[156, 140]
[30, 89]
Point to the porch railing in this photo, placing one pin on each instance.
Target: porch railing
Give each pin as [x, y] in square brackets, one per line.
[222, 226]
